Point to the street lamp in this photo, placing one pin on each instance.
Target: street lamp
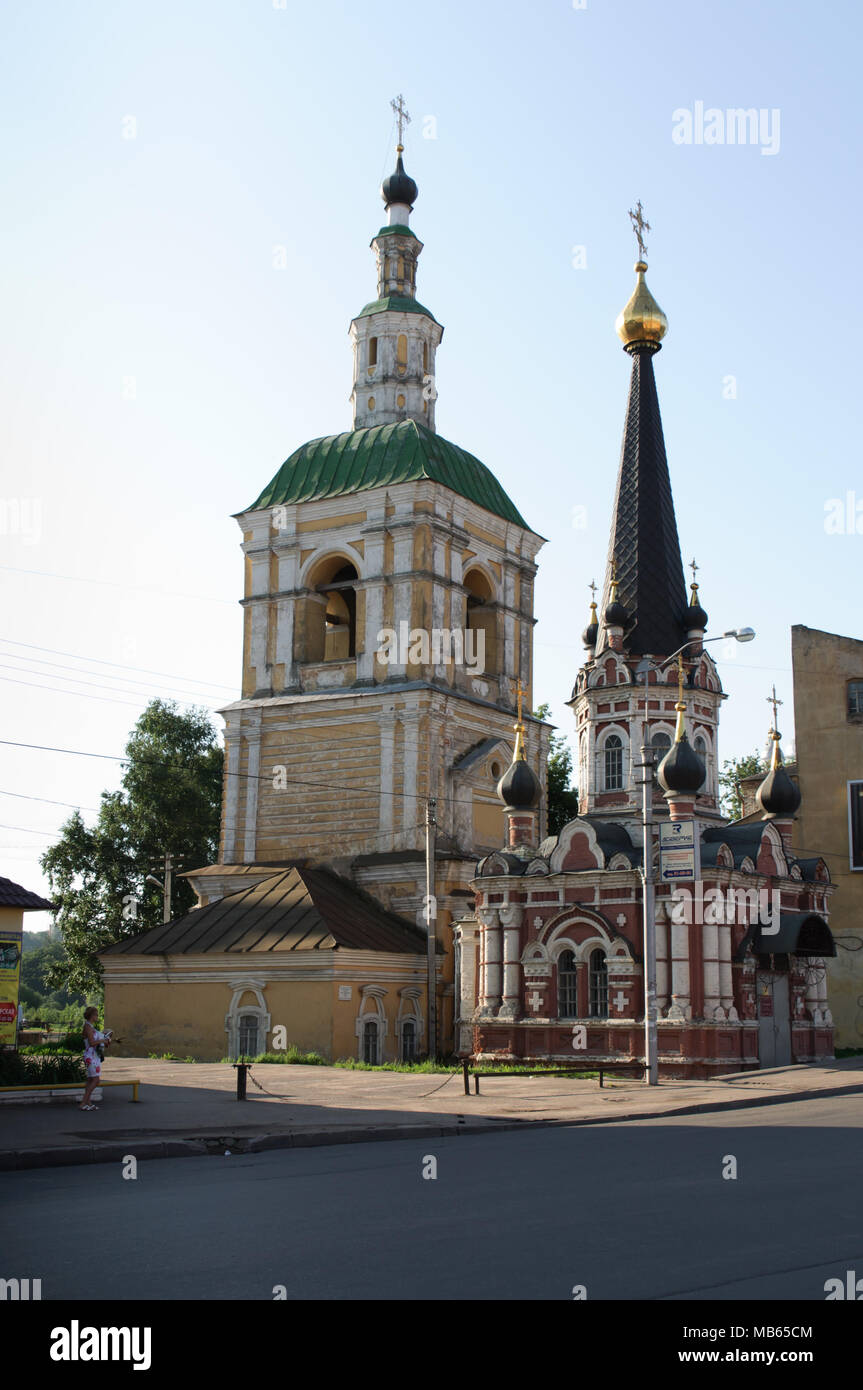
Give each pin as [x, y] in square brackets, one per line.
[648, 756]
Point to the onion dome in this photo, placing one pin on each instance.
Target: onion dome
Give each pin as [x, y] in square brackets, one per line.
[681, 770]
[399, 187]
[615, 614]
[694, 618]
[641, 323]
[519, 787]
[778, 795]
[588, 637]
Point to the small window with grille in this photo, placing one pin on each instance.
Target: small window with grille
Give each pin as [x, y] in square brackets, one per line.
[247, 1036]
[855, 699]
[370, 1041]
[598, 985]
[567, 986]
[613, 754]
[409, 1040]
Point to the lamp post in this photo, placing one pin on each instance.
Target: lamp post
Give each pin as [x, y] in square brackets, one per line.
[648, 759]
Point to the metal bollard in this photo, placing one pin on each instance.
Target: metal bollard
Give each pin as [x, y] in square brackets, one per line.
[241, 1069]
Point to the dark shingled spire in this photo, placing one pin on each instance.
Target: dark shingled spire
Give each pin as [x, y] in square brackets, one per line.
[644, 550]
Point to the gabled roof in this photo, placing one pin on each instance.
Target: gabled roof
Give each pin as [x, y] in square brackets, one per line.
[380, 456]
[296, 910]
[13, 895]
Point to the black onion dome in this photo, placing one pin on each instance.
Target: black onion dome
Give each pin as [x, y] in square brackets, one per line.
[778, 795]
[615, 615]
[519, 786]
[399, 187]
[681, 770]
[588, 637]
[695, 617]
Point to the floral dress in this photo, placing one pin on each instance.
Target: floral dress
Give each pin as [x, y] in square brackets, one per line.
[92, 1060]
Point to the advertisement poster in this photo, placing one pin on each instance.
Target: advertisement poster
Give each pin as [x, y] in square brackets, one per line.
[10, 968]
[676, 850]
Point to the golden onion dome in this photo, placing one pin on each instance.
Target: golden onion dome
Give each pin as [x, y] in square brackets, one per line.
[642, 320]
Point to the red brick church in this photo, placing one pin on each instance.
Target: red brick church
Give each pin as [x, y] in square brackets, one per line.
[551, 964]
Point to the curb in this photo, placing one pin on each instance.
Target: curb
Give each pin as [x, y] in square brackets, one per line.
[12, 1160]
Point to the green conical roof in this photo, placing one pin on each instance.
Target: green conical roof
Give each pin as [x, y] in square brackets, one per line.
[380, 456]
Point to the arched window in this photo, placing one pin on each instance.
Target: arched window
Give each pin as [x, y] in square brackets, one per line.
[373, 352]
[481, 646]
[598, 984]
[660, 743]
[340, 615]
[613, 754]
[370, 1041]
[247, 1036]
[409, 1040]
[567, 982]
[401, 354]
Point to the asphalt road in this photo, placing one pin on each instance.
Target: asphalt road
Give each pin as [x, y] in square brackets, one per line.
[630, 1211]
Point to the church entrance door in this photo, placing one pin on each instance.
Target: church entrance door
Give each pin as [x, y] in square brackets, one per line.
[774, 1021]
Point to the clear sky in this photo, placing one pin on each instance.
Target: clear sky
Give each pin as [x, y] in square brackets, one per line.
[157, 367]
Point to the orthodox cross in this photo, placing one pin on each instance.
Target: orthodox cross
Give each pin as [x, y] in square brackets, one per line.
[398, 105]
[592, 587]
[535, 1001]
[772, 700]
[520, 691]
[620, 1001]
[695, 568]
[640, 225]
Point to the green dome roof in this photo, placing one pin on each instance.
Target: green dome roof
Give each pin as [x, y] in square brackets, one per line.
[380, 456]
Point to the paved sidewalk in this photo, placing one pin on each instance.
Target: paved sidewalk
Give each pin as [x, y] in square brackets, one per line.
[189, 1108]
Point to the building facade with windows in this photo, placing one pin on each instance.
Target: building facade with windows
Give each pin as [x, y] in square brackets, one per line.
[828, 721]
[388, 621]
[551, 962]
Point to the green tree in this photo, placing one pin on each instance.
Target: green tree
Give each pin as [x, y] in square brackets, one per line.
[169, 800]
[562, 799]
[733, 769]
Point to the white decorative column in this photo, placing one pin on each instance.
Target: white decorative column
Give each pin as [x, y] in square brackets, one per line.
[253, 769]
[491, 980]
[680, 1005]
[710, 965]
[726, 984]
[232, 786]
[510, 917]
[288, 552]
[662, 971]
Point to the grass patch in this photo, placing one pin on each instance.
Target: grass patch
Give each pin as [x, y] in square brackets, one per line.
[849, 1052]
[292, 1056]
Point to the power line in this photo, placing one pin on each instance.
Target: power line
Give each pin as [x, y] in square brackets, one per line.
[77, 680]
[22, 796]
[122, 665]
[115, 584]
[82, 694]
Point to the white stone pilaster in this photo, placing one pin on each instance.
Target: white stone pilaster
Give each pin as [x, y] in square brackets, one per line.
[710, 962]
[510, 917]
[680, 1001]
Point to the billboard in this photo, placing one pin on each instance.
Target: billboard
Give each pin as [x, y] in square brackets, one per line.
[11, 944]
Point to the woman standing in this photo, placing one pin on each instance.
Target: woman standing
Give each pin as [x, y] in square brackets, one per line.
[93, 1039]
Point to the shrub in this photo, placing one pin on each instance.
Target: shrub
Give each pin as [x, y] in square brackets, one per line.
[292, 1055]
[29, 1070]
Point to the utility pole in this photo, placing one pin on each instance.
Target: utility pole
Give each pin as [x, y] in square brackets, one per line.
[431, 919]
[172, 861]
[651, 1068]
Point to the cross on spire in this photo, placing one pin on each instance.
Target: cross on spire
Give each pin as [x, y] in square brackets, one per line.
[640, 225]
[695, 568]
[775, 702]
[592, 587]
[402, 116]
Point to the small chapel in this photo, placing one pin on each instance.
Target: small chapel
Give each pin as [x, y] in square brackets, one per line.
[386, 682]
[552, 961]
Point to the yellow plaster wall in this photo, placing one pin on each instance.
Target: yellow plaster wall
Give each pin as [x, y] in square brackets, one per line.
[829, 754]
